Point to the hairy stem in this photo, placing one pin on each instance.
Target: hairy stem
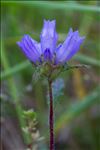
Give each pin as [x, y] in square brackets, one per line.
[51, 116]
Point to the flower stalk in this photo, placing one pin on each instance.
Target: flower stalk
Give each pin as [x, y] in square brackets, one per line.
[50, 58]
[51, 116]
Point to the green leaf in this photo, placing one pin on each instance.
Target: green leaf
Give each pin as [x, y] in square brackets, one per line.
[29, 114]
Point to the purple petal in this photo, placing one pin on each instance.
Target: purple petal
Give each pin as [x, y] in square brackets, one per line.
[58, 47]
[33, 44]
[70, 32]
[30, 48]
[64, 46]
[47, 55]
[70, 46]
[26, 52]
[74, 50]
[49, 36]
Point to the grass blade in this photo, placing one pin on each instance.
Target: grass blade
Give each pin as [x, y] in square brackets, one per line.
[56, 5]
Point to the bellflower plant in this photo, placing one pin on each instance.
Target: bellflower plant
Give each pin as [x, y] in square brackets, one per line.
[50, 57]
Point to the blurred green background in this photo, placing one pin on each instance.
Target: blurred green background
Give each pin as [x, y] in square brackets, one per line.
[77, 111]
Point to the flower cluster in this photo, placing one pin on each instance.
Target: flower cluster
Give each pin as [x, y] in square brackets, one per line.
[47, 50]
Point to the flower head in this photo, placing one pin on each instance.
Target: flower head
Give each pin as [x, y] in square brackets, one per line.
[47, 50]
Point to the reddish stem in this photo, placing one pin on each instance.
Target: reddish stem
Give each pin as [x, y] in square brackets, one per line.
[51, 117]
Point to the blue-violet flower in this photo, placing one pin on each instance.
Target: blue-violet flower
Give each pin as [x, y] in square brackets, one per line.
[46, 50]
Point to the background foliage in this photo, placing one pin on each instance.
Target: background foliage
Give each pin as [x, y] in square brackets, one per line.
[76, 113]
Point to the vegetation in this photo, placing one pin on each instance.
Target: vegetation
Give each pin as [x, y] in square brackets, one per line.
[76, 109]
